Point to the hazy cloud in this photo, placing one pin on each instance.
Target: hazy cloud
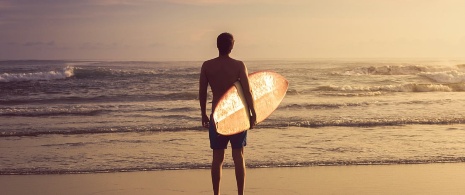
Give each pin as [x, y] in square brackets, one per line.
[10, 43]
[39, 44]
[155, 45]
[66, 3]
[102, 46]
[231, 2]
[25, 12]
[263, 28]
[4, 4]
[119, 2]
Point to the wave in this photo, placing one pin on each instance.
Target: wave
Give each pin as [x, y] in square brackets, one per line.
[268, 124]
[85, 111]
[125, 129]
[44, 112]
[389, 70]
[90, 72]
[372, 122]
[440, 74]
[452, 76]
[104, 98]
[265, 164]
[38, 76]
[118, 73]
[322, 106]
[183, 109]
[332, 106]
[398, 69]
[411, 87]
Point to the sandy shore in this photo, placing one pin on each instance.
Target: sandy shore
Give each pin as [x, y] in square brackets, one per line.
[379, 179]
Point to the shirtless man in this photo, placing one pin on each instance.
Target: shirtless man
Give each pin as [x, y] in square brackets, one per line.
[221, 73]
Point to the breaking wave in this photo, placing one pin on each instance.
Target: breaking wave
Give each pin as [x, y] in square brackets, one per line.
[38, 76]
[452, 76]
[411, 87]
[45, 112]
[376, 122]
[389, 70]
[270, 123]
[253, 164]
[122, 129]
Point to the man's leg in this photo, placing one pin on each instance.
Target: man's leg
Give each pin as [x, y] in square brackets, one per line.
[239, 166]
[217, 166]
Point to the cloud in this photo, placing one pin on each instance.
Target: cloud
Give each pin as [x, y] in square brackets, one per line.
[103, 46]
[3, 21]
[117, 2]
[10, 43]
[201, 2]
[19, 4]
[39, 44]
[230, 2]
[25, 12]
[4, 4]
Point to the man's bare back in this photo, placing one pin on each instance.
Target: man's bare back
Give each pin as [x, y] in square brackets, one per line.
[221, 73]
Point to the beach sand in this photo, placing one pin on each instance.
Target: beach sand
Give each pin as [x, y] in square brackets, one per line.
[444, 178]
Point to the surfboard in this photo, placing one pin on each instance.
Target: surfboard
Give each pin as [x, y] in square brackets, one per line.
[231, 113]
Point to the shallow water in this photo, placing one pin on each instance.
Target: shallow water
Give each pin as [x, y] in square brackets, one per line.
[286, 147]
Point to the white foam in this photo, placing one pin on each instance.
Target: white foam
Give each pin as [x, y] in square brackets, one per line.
[452, 76]
[388, 70]
[36, 76]
[376, 90]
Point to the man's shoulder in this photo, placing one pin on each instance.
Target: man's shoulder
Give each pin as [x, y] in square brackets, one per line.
[231, 62]
[219, 60]
[237, 61]
[210, 61]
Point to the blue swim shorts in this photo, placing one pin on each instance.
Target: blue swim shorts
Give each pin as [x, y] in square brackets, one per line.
[218, 141]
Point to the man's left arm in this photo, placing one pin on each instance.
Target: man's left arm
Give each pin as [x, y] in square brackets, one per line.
[248, 94]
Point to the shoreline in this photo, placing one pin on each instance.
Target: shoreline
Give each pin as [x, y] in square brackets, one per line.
[438, 178]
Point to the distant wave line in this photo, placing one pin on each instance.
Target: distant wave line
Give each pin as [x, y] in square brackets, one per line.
[99, 131]
[377, 122]
[397, 70]
[95, 73]
[106, 98]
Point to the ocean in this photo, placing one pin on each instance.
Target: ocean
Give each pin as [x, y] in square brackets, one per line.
[65, 117]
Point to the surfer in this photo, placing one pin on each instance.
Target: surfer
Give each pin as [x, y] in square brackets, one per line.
[221, 73]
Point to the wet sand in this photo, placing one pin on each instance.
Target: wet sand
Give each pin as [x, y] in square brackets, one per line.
[444, 178]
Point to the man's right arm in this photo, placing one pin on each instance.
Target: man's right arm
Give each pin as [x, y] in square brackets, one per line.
[203, 85]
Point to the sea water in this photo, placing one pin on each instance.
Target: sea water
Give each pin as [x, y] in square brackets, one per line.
[111, 116]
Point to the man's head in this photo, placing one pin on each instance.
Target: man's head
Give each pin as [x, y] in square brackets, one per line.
[225, 43]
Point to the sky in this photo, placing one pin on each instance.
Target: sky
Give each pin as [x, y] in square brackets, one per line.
[263, 29]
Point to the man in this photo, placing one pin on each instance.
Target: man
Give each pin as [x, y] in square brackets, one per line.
[221, 73]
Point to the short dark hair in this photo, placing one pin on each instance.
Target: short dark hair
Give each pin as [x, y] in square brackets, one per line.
[225, 42]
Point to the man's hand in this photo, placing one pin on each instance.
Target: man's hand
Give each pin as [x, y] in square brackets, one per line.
[205, 121]
[253, 119]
